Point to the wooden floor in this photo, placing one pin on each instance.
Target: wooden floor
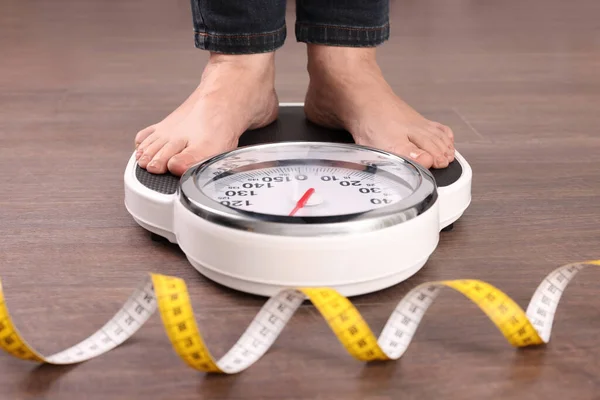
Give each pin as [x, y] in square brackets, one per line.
[519, 82]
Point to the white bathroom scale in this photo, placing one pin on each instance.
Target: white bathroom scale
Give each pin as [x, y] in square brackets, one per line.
[297, 205]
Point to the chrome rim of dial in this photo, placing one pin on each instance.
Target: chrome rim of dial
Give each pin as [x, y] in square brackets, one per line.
[344, 189]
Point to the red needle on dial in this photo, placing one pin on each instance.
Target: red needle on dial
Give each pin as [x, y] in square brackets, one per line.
[303, 200]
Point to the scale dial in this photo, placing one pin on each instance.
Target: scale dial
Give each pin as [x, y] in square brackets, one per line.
[308, 184]
[323, 188]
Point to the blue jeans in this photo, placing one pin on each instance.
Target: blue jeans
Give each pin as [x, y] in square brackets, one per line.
[258, 26]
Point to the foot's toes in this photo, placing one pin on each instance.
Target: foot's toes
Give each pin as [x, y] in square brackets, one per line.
[158, 164]
[143, 146]
[446, 130]
[443, 141]
[416, 154]
[143, 135]
[150, 151]
[408, 150]
[181, 162]
[432, 145]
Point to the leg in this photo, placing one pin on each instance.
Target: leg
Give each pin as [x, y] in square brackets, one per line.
[236, 90]
[347, 89]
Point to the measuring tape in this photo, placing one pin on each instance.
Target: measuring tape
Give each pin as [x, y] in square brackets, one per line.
[170, 296]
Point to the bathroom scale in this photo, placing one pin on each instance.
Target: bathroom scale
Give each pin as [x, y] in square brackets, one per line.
[298, 205]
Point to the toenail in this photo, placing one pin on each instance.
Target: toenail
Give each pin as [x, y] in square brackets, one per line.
[415, 154]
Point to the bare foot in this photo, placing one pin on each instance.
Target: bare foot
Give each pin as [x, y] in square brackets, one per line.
[347, 91]
[236, 93]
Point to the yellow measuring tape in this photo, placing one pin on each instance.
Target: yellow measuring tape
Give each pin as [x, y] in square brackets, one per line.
[170, 296]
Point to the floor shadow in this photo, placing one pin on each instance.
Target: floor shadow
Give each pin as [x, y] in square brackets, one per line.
[217, 386]
[531, 359]
[42, 378]
[39, 381]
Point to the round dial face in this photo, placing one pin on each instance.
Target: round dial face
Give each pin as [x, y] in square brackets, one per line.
[307, 180]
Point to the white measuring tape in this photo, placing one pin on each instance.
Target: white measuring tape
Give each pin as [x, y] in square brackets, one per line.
[170, 296]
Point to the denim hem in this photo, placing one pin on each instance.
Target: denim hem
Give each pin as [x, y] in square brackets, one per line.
[239, 43]
[349, 36]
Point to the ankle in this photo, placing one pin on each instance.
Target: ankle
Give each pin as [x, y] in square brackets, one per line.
[262, 65]
[332, 60]
[247, 61]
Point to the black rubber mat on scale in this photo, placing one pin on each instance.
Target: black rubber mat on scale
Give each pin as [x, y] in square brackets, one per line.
[290, 126]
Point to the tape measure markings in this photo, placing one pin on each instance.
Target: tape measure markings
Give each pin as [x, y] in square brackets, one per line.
[544, 302]
[179, 322]
[400, 328]
[170, 296]
[136, 311]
